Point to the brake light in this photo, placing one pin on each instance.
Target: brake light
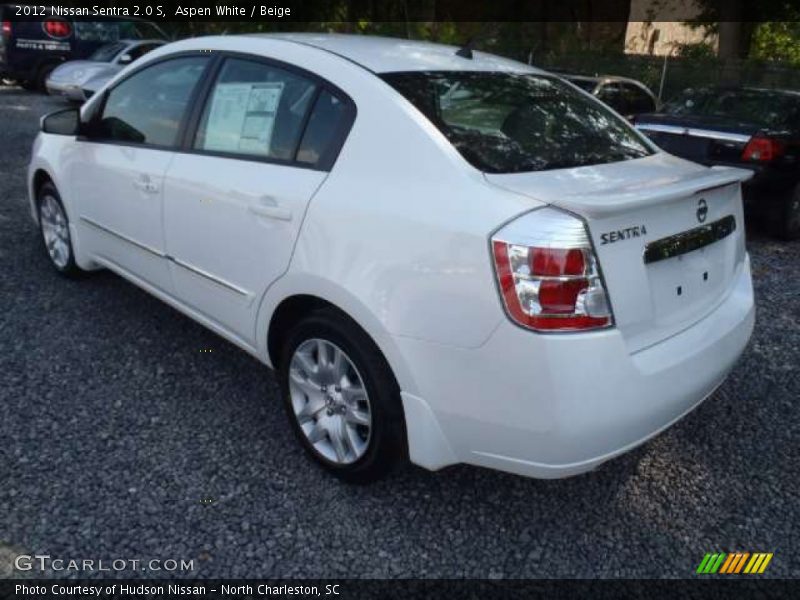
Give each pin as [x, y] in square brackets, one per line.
[762, 149]
[56, 28]
[548, 275]
[6, 30]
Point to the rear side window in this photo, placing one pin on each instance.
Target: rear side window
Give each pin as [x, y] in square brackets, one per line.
[147, 108]
[255, 109]
[517, 122]
[325, 126]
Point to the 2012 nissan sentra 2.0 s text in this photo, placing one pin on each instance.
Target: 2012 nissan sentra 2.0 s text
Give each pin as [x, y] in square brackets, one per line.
[446, 256]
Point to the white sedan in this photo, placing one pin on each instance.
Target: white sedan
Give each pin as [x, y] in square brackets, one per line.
[450, 257]
[70, 78]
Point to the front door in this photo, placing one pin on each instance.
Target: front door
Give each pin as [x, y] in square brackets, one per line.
[117, 174]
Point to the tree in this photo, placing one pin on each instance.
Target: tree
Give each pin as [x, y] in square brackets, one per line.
[735, 21]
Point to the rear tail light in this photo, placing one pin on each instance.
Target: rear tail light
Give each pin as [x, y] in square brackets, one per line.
[762, 149]
[548, 274]
[6, 29]
[56, 28]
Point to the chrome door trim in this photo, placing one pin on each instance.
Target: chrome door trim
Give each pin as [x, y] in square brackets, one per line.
[210, 277]
[213, 278]
[123, 237]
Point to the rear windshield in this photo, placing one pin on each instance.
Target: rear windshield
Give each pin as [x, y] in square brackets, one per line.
[765, 108]
[516, 122]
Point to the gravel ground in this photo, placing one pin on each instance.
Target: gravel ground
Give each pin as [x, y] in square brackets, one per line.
[116, 427]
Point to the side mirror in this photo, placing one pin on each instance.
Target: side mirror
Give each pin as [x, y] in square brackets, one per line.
[62, 122]
[125, 59]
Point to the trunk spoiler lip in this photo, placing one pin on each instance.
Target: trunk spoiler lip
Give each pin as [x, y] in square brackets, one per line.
[616, 201]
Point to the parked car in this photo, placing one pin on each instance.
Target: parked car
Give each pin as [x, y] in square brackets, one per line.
[751, 128]
[70, 78]
[95, 83]
[626, 96]
[457, 258]
[34, 40]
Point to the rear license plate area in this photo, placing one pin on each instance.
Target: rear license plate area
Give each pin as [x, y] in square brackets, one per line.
[689, 271]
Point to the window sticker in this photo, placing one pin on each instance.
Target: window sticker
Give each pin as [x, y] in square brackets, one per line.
[242, 117]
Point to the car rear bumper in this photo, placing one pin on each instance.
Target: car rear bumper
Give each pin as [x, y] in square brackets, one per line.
[557, 405]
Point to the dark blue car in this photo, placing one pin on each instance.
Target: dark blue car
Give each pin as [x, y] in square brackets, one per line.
[33, 41]
[751, 128]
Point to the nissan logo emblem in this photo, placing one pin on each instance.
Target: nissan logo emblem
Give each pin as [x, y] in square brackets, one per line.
[702, 210]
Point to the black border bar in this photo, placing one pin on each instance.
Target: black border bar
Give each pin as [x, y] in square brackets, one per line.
[699, 588]
[331, 11]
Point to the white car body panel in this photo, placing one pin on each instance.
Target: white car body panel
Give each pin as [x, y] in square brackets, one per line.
[397, 236]
[259, 205]
[127, 230]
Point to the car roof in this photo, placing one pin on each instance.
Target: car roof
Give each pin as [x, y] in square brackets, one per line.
[387, 55]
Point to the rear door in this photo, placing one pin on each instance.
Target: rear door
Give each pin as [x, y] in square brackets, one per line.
[265, 139]
[117, 173]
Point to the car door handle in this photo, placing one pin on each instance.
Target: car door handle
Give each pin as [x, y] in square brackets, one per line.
[269, 208]
[146, 186]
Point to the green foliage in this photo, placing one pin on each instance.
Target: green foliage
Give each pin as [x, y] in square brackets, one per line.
[696, 51]
[778, 41]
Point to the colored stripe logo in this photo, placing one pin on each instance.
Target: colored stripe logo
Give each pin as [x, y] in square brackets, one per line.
[734, 563]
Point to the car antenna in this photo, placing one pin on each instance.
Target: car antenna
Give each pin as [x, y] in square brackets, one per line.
[466, 50]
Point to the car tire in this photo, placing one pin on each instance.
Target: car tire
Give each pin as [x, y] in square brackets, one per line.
[28, 84]
[787, 217]
[54, 230]
[341, 397]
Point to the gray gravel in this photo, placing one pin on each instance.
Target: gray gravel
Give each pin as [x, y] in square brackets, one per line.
[115, 426]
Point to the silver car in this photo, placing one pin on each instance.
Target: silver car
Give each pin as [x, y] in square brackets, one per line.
[70, 78]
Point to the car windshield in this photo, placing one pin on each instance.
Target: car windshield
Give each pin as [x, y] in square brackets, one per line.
[765, 108]
[107, 52]
[516, 122]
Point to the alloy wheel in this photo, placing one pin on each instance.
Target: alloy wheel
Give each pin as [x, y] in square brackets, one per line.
[55, 231]
[329, 401]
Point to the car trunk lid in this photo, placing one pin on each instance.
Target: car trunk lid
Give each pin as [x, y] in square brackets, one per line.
[708, 140]
[669, 235]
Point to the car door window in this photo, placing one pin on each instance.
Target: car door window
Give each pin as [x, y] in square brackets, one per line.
[638, 101]
[255, 109]
[611, 94]
[147, 108]
[325, 126]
